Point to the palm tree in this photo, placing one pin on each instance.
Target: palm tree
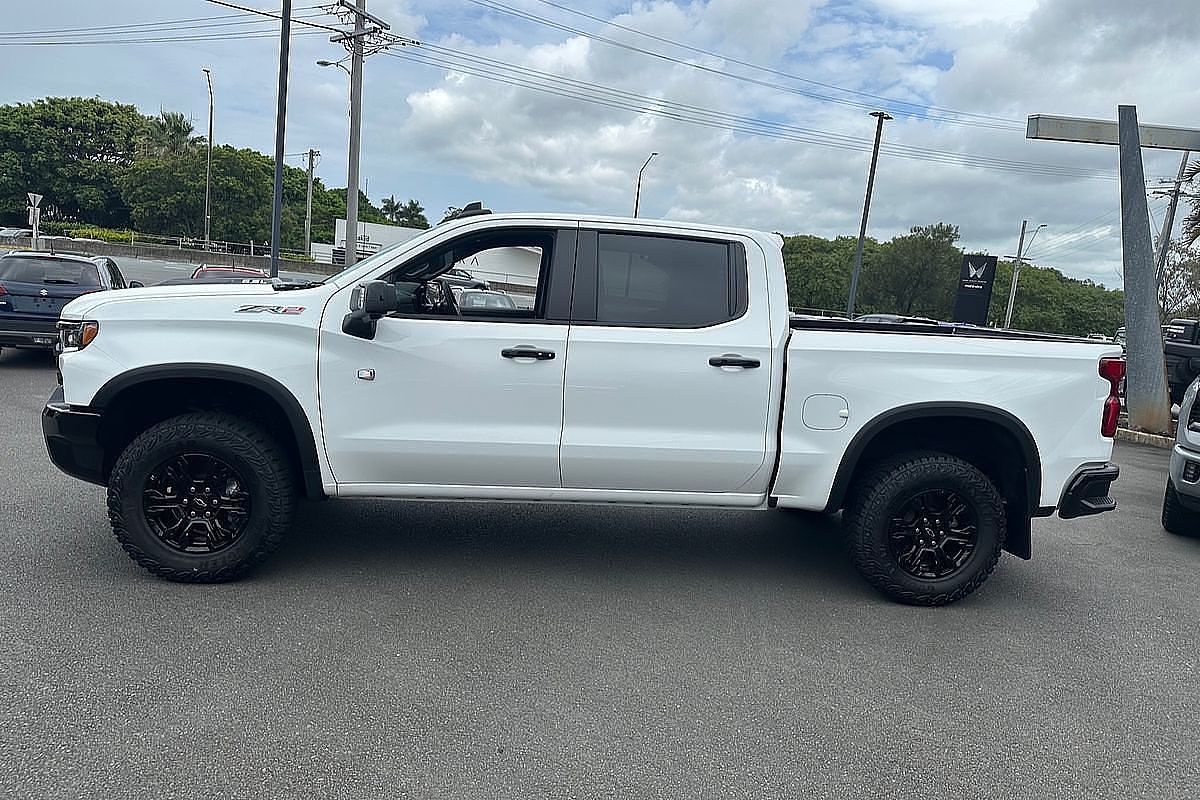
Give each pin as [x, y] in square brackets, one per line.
[171, 134]
[390, 208]
[1191, 225]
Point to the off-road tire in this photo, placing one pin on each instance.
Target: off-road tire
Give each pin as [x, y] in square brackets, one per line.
[880, 492]
[1176, 518]
[250, 450]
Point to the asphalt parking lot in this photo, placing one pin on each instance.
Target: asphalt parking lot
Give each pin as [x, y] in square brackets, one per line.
[507, 651]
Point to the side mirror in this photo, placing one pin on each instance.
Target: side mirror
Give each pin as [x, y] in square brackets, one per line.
[379, 299]
[369, 302]
[136, 285]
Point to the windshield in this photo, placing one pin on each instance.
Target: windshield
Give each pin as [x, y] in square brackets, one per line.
[48, 270]
[371, 260]
[483, 300]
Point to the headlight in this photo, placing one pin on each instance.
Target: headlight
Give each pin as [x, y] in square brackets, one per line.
[73, 335]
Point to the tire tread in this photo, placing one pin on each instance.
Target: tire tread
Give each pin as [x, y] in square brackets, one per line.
[251, 443]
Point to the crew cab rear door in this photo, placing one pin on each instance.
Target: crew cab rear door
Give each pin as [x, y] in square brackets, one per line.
[668, 379]
[470, 399]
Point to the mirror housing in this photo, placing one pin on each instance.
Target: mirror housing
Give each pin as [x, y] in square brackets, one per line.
[369, 302]
[136, 285]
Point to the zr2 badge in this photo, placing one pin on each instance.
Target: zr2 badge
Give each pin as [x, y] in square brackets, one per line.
[270, 310]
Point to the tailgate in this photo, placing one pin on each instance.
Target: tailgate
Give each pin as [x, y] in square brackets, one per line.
[37, 298]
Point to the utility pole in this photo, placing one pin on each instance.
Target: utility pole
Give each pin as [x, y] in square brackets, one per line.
[1012, 289]
[356, 64]
[1164, 238]
[356, 41]
[1018, 262]
[308, 205]
[637, 195]
[285, 32]
[208, 168]
[880, 117]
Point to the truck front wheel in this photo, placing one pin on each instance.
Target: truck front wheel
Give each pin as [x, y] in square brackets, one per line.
[1177, 518]
[202, 497]
[926, 528]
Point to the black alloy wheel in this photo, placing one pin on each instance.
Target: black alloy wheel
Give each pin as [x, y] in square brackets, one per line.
[933, 534]
[196, 503]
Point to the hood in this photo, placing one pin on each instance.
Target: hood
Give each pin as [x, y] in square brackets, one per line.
[83, 306]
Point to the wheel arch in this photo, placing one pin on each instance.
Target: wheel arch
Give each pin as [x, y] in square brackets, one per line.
[131, 402]
[991, 438]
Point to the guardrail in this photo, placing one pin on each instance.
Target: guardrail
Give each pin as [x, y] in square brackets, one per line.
[172, 251]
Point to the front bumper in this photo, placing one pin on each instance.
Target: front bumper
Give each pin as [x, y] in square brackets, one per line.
[22, 330]
[72, 439]
[1185, 476]
[1087, 492]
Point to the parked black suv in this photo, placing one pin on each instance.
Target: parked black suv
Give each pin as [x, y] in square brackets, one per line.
[1181, 347]
[35, 286]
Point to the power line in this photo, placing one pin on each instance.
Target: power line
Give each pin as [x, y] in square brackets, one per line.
[780, 73]
[493, 70]
[996, 123]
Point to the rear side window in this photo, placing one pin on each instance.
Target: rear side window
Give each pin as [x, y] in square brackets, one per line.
[665, 281]
[48, 270]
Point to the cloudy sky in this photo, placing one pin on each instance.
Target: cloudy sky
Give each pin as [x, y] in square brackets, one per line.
[759, 110]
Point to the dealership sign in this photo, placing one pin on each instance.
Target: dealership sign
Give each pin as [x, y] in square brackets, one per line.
[975, 281]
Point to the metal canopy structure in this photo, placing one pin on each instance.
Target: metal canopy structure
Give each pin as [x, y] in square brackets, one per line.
[1145, 385]
[1101, 131]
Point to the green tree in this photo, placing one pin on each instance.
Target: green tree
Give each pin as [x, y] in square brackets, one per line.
[389, 207]
[818, 270]
[1179, 292]
[915, 274]
[170, 134]
[411, 215]
[72, 151]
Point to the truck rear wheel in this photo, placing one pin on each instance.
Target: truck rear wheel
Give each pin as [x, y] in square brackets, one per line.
[1176, 518]
[926, 528]
[202, 497]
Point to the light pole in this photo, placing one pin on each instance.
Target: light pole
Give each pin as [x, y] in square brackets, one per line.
[208, 168]
[637, 195]
[1012, 290]
[880, 117]
[338, 64]
[355, 139]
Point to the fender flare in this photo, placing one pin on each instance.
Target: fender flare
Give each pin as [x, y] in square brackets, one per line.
[858, 445]
[306, 445]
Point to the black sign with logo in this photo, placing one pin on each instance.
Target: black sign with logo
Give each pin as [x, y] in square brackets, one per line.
[975, 289]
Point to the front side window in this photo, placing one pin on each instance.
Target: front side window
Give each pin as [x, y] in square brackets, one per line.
[663, 281]
[492, 274]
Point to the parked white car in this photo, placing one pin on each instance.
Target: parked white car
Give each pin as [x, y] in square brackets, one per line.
[658, 365]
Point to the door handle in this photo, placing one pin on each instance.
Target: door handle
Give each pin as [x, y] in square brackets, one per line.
[527, 352]
[733, 360]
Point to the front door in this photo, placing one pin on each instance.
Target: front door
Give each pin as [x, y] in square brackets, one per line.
[466, 396]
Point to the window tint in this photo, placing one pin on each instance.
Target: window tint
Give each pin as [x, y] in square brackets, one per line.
[48, 270]
[497, 273]
[653, 280]
[114, 274]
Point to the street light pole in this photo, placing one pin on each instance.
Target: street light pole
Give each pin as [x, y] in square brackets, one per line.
[637, 195]
[880, 118]
[208, 168]
[1017, 263]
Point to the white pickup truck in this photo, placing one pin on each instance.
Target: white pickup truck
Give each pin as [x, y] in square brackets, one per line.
[641, 362]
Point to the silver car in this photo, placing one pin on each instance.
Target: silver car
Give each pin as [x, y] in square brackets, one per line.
[1181, 505]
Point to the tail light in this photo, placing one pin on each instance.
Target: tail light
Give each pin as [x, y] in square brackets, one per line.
[2, 289]
[1113, 371]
